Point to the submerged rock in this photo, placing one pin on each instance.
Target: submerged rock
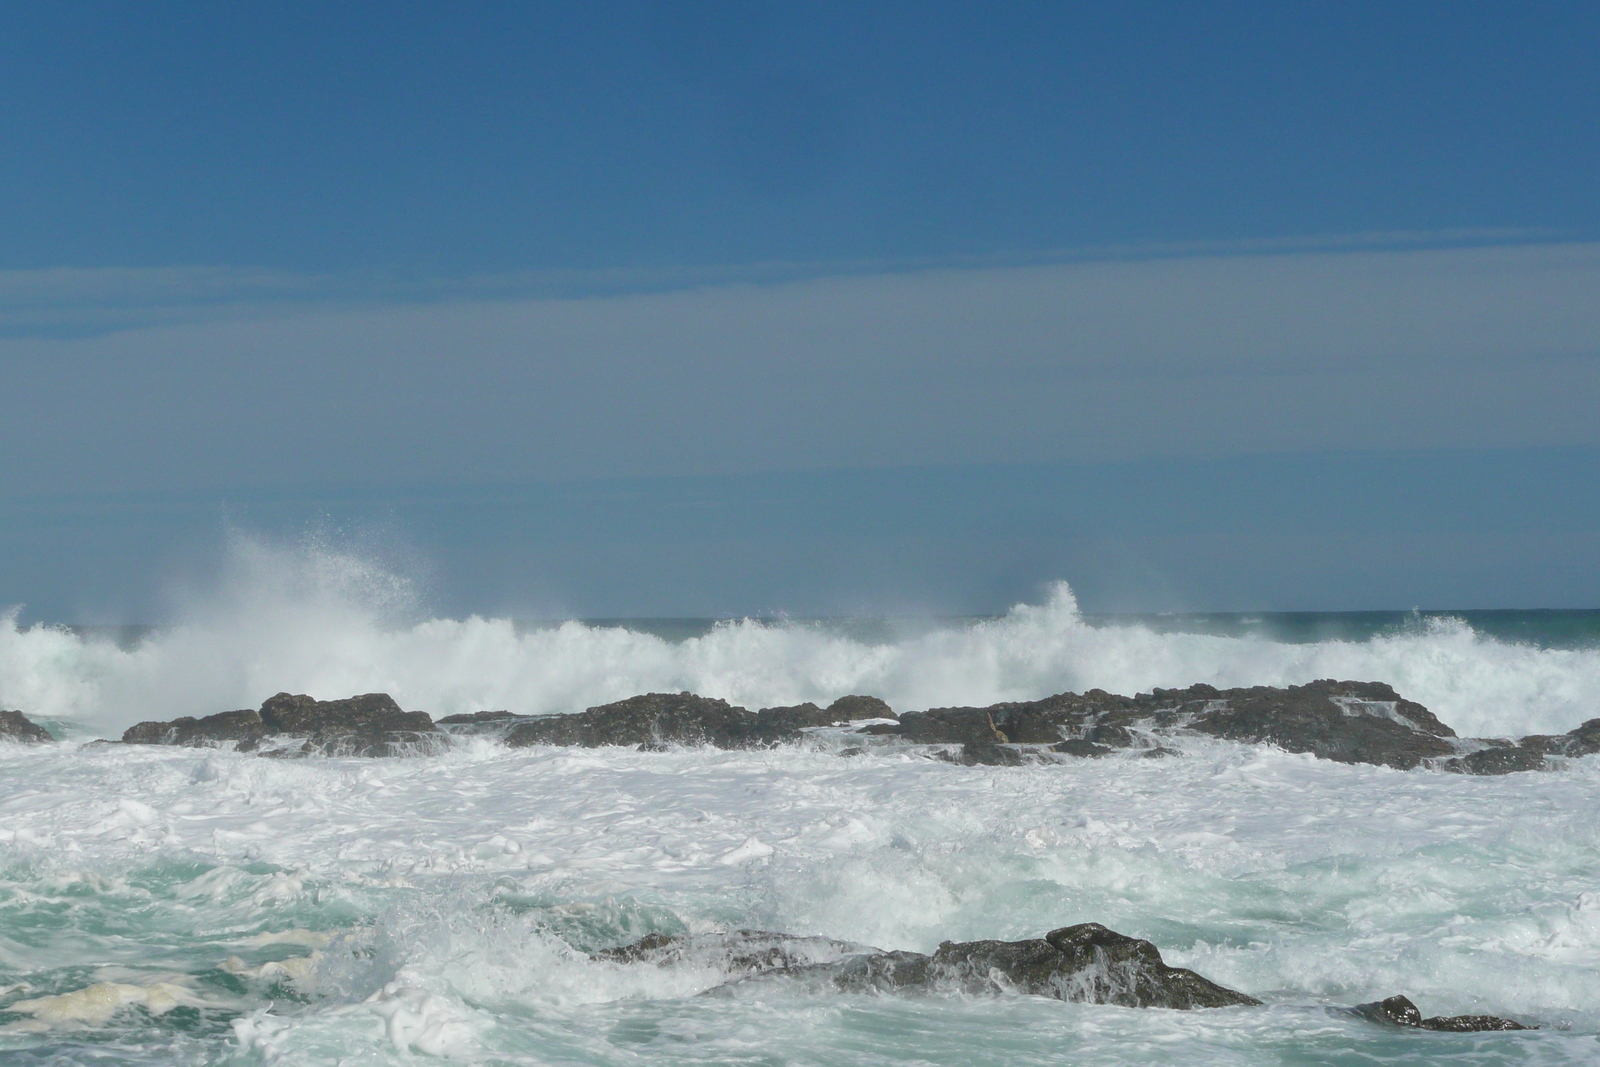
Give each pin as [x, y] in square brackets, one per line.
[1086, 963]
[657, 720]
[368, 725]
[1400, 1011]
[740, 953]
[15, 726]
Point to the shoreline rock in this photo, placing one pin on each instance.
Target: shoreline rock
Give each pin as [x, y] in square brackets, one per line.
[656, 720]
[368, 725]
[15, 726]
[1342, 721]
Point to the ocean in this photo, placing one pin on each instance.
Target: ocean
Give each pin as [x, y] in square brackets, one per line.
[201, 906]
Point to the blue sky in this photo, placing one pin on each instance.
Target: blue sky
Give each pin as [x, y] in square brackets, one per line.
[1210, 306]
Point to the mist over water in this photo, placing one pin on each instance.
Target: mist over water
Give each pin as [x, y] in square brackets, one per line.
[315, 619]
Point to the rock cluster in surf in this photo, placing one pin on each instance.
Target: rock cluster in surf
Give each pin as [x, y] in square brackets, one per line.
[368, 725]
[1086, 963]
[1347, 722]
[1399, 1011]
[661, 719]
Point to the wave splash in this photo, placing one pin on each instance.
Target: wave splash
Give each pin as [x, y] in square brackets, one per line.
[318, 620]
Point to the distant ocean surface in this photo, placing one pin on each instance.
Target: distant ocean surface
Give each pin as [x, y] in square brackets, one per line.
[186, 906]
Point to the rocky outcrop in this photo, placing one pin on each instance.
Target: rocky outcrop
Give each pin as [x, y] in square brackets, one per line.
[244, 727]
[1086, 963]
[1347, 722]
[15, 726]
[655, 720]
[1584, 741]
[476, 718]
[1399, 1011]
[855, 707]
[368, 725]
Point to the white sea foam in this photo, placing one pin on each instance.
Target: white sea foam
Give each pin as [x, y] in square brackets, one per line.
[328, 623]
[445, 906]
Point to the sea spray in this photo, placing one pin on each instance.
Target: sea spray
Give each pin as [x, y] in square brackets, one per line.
[316, 620]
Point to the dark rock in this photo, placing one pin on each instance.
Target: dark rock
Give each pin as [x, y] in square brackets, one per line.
[791, 720]
[1078, 963]
[15, 726]
[1498, 759]
[368, 725]
[242, 726]
[1348, 722]
[1351, 722]
[474, 718]
[1463, 1024]
[1087, 962]
[1584, 741]
[854, 708]
[655, 719]
[990, 755]
[740, 953]
[1111, 734]
[1031, 722]
[1399, 1011]
[1077, 746]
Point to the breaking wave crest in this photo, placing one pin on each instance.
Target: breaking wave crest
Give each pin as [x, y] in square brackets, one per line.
[330, 623]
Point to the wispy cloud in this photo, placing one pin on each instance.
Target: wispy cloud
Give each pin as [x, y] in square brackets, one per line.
[260, 378]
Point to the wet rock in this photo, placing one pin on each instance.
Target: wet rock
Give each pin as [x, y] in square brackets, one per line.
[1497, 759]
[474, 718]
[1400, 1011]
[1584, 741]
[242, 726]
[1351, 722]
[368, 725]
[1110, 735]
[1348, 722]
[656, 719]
[739, 953]
[1078, 746]
[791, 720]
[990, 755]
[854, 708]
[15, 726]
[1086, 963]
